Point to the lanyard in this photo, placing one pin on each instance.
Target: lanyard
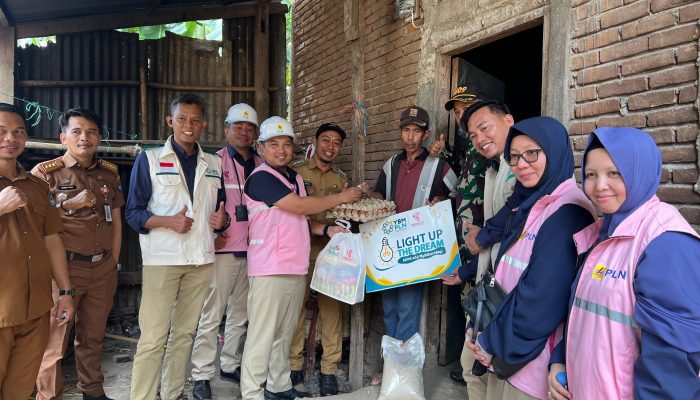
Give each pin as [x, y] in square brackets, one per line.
[238, 179]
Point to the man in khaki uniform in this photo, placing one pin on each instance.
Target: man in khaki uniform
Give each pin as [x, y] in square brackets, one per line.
[321, 178]
[32, 253]
[88, 192]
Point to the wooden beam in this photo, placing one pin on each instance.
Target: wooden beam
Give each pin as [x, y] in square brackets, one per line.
[143, 101]
[156, 85]
[36, 83]
[357, 329]
[140, 18]
[7, 64]
[210, 88]
[351, 20]
[261, 59]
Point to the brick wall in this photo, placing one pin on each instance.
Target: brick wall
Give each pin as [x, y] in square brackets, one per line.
[321, 69]
[322, 74]
[634, 63]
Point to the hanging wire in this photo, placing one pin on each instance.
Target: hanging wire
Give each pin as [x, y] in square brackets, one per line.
[35, 111]
[361, 116]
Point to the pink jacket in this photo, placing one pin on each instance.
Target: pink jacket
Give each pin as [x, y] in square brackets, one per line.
[603, 338]
[279, 241]
[234, 180]
[532, 379]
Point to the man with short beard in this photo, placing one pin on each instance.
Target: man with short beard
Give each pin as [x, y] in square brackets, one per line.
[174, 193]
[321, 178]
[228, 290]
[89, 194]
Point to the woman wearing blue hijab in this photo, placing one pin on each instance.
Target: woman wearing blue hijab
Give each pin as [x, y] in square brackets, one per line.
[537, 261]
[634, 325]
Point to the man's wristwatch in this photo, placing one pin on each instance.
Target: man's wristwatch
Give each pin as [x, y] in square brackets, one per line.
[69, 292]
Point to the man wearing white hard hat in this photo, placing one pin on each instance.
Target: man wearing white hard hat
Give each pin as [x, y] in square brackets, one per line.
[278, 260]
[228, 291]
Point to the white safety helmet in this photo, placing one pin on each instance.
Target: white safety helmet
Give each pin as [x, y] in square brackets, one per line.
[242, 112]
[275, 126]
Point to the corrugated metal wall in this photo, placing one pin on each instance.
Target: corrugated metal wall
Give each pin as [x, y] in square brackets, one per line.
[95, 56]
[115, 56]
[178, 60]
[242, 36]
[111, 56]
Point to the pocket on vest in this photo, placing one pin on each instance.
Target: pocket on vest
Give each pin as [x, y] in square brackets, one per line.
[169, 190]
[164, 242]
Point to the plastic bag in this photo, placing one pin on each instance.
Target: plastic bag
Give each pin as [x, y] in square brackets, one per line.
[402, 378]
[340, 269]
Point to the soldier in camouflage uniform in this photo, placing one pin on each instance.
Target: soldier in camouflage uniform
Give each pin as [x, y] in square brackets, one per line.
[470, 211]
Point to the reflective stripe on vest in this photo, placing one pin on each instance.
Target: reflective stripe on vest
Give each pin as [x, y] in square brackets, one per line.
[603, 338]
[425, 182]
[605, 312]
[521, 265]
[387, 174]
[234, 182]
[532, 379]
[279, 240]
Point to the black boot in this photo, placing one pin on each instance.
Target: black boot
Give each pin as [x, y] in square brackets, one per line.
[234, 376]
[100, 397]
[201, 390]
[297, 377]
[290, 394]
[456, 375]
[329, 385]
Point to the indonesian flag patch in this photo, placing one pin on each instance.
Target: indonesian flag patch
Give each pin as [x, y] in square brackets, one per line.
[168, 167]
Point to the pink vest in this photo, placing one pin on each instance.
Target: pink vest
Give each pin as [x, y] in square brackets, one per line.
[532, 379]
[279, 241]
[602, 343]
[233, 172]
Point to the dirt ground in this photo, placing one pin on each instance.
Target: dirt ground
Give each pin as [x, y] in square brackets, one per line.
[117, 363]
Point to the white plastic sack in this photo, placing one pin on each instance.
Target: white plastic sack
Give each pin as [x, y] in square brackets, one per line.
[340, 269]
[402, 378]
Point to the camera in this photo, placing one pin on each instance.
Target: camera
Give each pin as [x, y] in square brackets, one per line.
[241, 213]
[478, 368]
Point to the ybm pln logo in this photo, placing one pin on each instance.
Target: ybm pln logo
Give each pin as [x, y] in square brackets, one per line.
[394, 225]
[601, 272]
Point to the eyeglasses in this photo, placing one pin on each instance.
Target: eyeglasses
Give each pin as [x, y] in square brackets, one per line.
[529, 156]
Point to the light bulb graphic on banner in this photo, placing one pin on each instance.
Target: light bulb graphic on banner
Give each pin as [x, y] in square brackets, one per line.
[386, 253]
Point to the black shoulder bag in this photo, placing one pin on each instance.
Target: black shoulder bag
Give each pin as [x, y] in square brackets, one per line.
[482, 301]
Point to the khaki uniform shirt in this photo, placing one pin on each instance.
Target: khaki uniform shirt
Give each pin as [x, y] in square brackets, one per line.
[319, 183]
[25, 270]
[86, 231]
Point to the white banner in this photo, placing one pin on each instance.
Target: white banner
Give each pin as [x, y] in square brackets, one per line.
[411, 247]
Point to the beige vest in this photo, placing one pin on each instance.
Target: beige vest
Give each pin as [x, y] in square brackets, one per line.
[497, 188]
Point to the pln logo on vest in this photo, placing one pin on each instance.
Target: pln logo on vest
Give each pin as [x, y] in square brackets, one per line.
[601, 272]
[527, 235]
